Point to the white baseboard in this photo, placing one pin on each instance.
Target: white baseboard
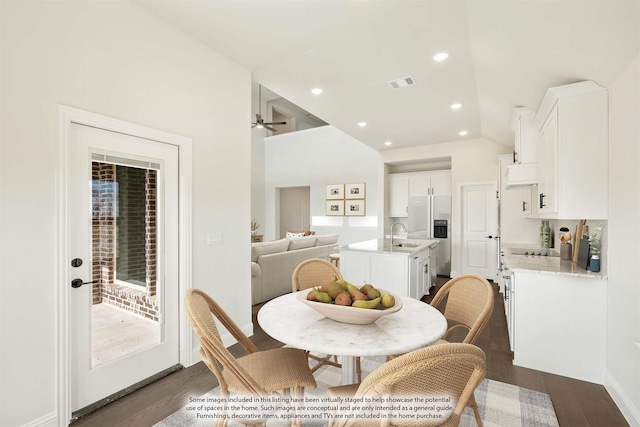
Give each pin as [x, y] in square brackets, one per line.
[625, 404]
[49, 420]
[227, 339]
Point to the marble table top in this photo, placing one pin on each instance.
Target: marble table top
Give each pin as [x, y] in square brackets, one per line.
[290, 321]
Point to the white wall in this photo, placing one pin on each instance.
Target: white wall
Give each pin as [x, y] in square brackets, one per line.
[623, 313]
[317, 157]
[257, 163]
[115, 59]
[471, 161]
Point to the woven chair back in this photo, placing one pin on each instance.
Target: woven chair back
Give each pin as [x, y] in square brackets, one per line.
[469, 304]
[450, 370]
[313, 272]
[201, 310]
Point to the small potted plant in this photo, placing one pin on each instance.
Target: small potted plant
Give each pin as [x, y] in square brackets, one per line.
[255, 237]
[594, 248]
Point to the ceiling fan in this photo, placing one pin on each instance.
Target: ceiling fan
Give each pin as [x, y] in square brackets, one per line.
[260, 123]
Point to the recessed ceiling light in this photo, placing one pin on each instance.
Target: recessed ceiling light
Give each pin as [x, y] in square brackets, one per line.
[316, 91]
[456, 106]
[388, 143]
[441, 56]
[362, 124]
[463, 133]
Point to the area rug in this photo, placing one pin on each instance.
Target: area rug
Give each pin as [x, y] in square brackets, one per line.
[500, 404]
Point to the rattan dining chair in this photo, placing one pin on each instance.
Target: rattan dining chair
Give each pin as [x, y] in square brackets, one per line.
[279, 371]
[469, 304]
[451, 370]
[311, 273]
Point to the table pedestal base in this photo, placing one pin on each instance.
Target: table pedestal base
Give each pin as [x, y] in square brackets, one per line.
[348, 371]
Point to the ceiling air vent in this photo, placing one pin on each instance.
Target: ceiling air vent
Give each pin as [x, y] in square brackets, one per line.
[402, 82]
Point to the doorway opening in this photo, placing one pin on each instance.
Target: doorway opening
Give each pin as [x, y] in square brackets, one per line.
[294, 209]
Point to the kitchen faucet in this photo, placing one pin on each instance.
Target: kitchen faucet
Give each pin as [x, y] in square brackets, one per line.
[393, 225]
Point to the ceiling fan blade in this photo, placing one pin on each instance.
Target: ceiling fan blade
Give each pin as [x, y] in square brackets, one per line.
[275, 123]
[270, 128]
[254, 125]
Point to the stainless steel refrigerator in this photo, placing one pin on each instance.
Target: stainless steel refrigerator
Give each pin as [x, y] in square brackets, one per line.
[429, 217]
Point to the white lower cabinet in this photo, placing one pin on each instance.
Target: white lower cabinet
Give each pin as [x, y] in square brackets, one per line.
[559, 324]
[401, 274]
[507, 282]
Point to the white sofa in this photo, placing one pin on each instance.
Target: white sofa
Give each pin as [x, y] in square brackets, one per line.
[272, 263]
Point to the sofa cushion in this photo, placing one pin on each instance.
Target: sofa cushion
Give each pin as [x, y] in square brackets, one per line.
[293, 235]
[302, 242]
[264, 248]
[327, 239]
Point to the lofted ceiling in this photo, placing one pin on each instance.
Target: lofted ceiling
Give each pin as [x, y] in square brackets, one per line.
[502, 54]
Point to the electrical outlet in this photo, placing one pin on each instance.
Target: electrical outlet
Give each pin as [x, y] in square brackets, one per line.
[214, 238]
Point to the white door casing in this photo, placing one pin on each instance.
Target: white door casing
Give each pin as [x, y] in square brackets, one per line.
[68, 118]
[479, 209]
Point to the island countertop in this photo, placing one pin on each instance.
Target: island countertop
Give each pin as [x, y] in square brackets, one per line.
[406, 247]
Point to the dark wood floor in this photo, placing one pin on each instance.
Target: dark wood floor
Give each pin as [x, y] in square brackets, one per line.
[577, 403]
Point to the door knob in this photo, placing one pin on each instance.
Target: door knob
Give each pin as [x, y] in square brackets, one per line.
[488, 237]
[76, 283]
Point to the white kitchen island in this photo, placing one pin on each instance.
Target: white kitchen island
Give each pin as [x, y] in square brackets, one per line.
[407, 268]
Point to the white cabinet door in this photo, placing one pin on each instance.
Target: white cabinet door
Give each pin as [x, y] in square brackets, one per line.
[548, 164]
[509, 305]
[525, 150]
[529, 207]
[420, 277]
[419, 185]
[441, 184]
[398, 196]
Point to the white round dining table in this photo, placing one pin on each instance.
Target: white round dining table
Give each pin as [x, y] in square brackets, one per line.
[295, 324]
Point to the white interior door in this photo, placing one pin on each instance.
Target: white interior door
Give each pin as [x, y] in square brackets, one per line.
[124, 236]
[479, 229]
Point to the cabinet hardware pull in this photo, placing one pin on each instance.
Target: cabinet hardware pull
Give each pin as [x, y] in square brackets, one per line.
[542, 196]
[524, 206]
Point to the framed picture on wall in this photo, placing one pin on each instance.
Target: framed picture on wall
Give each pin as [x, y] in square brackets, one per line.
[335, 207]
[355, 208]
[354, 191]
[335, 191]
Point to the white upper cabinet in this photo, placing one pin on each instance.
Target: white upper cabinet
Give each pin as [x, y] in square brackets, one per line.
[398, 195]
[441, 184]
[525, 146]
[572, 152]
[405, 185]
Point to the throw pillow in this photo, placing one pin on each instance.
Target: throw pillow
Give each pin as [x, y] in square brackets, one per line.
[291, 235]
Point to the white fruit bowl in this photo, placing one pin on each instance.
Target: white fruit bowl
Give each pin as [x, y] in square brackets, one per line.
[348, 314]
